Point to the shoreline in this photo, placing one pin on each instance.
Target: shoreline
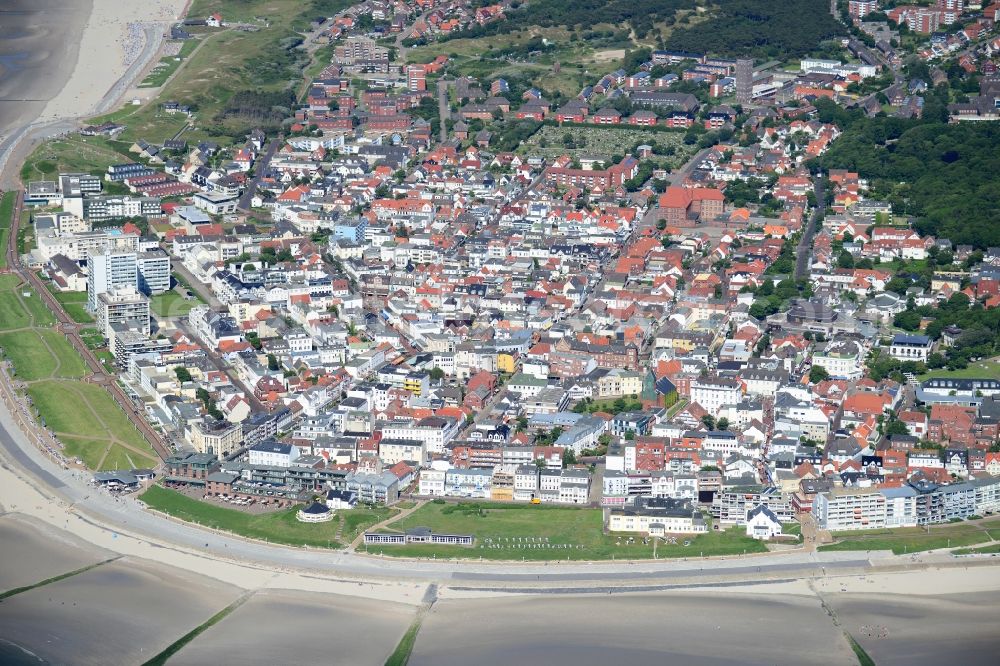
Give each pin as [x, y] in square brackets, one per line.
[103, 72]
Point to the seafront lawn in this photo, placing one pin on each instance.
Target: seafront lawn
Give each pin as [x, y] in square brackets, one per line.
[87, 411]
[903, 540]
[6, 218]
[42, 354]
[18, 310]
[515, 531]
[276, 527]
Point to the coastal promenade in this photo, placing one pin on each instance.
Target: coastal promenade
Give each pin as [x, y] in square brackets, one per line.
[95, 516]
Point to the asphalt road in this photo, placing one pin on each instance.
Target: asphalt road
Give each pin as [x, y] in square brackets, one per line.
[804, 250]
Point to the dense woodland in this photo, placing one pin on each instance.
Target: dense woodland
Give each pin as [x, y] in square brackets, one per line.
[641, 15]
[760, 28]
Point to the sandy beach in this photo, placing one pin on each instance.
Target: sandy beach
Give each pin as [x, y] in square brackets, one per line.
[113, 41]
[682, 628]
[41, 552]
[39, 49]
[53, 73]
[313, 628]
[119, 613]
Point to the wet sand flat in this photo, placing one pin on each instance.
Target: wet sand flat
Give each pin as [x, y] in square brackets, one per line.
[290, 627]
[39, 45]
[924, 630]
[667, 628]
[119, 613]
[33, 552]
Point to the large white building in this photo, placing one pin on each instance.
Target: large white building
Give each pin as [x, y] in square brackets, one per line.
[153, 272]
[273, 454]
[109, 269]
[713, 393]
[842, 359]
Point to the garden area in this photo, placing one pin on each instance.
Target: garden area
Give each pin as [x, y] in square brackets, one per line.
[540, 532]
[74, 303]
[172, 304]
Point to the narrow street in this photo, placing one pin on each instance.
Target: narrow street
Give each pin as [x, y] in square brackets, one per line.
[803, 252]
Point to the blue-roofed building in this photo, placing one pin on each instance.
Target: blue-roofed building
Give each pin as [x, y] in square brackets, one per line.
[910, 347]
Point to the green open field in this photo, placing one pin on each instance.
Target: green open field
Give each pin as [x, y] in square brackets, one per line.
[277, 527]
[6, 218]
[42, 354]
[171, 304]
[549, 533]
[914, 539]
[84, 416]
[88, 154]
[18, 310]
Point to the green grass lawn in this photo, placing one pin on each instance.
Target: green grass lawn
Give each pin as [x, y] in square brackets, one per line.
[277, 527]
[168, 65]
[18, 310]
[119, 457]
[914, 539]
[89, 451]
[12, 313]
[6, 217]
[92, 154]
[171, 304]
[74, 303]
[580, 528]
[42, 354]
[982, 550]
[94, 415]
[977, 370]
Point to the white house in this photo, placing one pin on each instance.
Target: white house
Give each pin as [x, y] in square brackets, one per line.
[762, 523]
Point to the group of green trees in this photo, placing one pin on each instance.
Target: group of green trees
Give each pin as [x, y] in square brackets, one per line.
[946, 176]
[770, 298]
[980, 336]
[641, 15]
[255, 108]
[760, 28]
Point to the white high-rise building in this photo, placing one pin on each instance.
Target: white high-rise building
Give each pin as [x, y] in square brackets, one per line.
[154, 272]
[107, 270]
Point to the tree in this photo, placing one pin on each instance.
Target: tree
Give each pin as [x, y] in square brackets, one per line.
[845, 260]
[183, 375]
[709, 421]
[722, 424]
[272, 362]
[569, 457]
[437, 374]
[818, 374]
